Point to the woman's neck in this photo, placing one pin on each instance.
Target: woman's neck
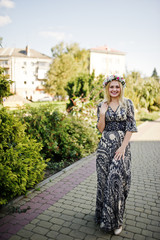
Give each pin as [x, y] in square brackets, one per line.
[115, 100]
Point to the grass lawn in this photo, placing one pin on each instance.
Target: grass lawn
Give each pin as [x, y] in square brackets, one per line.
[60, 105]
[142, 116]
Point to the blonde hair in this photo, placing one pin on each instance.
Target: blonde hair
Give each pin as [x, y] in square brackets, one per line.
[107, 97]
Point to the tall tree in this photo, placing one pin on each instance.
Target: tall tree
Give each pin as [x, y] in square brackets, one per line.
[4, 85]
[68, 62]
[154, 74]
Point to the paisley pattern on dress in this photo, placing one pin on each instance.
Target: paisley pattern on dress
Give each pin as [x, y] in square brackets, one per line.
[113, 176]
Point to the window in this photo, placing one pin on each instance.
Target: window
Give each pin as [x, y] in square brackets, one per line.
[42, 63]
[6, 71]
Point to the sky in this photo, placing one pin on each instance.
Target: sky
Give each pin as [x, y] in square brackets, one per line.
[130, 26]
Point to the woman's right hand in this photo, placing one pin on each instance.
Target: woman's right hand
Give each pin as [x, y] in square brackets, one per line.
[103, 108]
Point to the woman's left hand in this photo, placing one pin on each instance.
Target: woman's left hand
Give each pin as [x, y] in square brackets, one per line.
[119, 153]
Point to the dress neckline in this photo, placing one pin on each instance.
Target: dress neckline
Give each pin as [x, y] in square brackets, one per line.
[113, 110]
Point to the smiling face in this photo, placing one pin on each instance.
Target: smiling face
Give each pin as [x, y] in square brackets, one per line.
[114, 89]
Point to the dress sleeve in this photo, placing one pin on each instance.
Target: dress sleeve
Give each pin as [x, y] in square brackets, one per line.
[131, 123]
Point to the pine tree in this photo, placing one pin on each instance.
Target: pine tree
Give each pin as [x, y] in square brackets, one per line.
[154, 74]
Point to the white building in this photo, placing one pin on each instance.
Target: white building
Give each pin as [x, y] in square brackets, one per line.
[107, 61]
[27, 69]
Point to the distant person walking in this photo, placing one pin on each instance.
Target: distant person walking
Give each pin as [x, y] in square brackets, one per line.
[113, 164]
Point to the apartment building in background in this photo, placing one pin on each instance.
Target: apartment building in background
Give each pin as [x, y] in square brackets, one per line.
[27, 69]
[107, 61]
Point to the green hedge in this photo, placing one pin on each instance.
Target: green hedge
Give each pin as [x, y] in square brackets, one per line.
[64, 137]
[21, 165]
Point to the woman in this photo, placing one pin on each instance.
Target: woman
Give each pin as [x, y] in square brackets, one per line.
[116, 123]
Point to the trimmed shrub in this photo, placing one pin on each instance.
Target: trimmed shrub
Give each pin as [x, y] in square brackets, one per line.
[21, 165]
[64, 137]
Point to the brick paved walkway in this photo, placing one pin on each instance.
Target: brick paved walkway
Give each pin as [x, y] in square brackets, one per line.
[63, 208]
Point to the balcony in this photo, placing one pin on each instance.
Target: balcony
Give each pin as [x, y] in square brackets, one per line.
[4, 64]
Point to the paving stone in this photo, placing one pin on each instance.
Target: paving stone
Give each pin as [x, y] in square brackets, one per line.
[156, 235]
[80, 215]
[29, 227]
[90, 237]
[68, 212]
[40, 230]
[129, 216]
[87, 230]
[78, 209]
[91, 224]
[69, 207]
[133, 229]
[144, 215]
[141, 225]
[35, 221]
[106, 238]
[44, 217]
[147, 233]
[15, 237]
[77, 234]
[75, 226]
[52, 234]
[79, 221]
[127, 234]
[38, 237]
[132, 212]
[44, 224]
[115, 237]
[130, 222]
[67, 217]
[57, 221]
[139, 237]
[143, 220]
[86, 211]
[65, 230]
[67, 224]
[155, 223]
[153, 228]
[64, 237]
[55, 227]
[25, 233]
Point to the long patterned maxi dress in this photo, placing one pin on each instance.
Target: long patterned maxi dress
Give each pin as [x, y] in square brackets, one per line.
[113, 176]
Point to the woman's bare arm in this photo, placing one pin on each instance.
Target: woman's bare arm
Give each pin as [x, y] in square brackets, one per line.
[121, 150]
[101, 122]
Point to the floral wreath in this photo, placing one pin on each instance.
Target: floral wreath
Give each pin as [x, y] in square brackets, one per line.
[114, 77]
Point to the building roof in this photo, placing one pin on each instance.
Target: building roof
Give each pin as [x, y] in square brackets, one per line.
[19, 52]
[106, 49]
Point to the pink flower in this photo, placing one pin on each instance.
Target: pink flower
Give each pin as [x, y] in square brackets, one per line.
[118, 78]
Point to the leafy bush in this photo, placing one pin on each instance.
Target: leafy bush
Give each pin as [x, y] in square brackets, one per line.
[21, 165]
[77, 139]
[144, 92]
[64, 137]
[85, 86]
